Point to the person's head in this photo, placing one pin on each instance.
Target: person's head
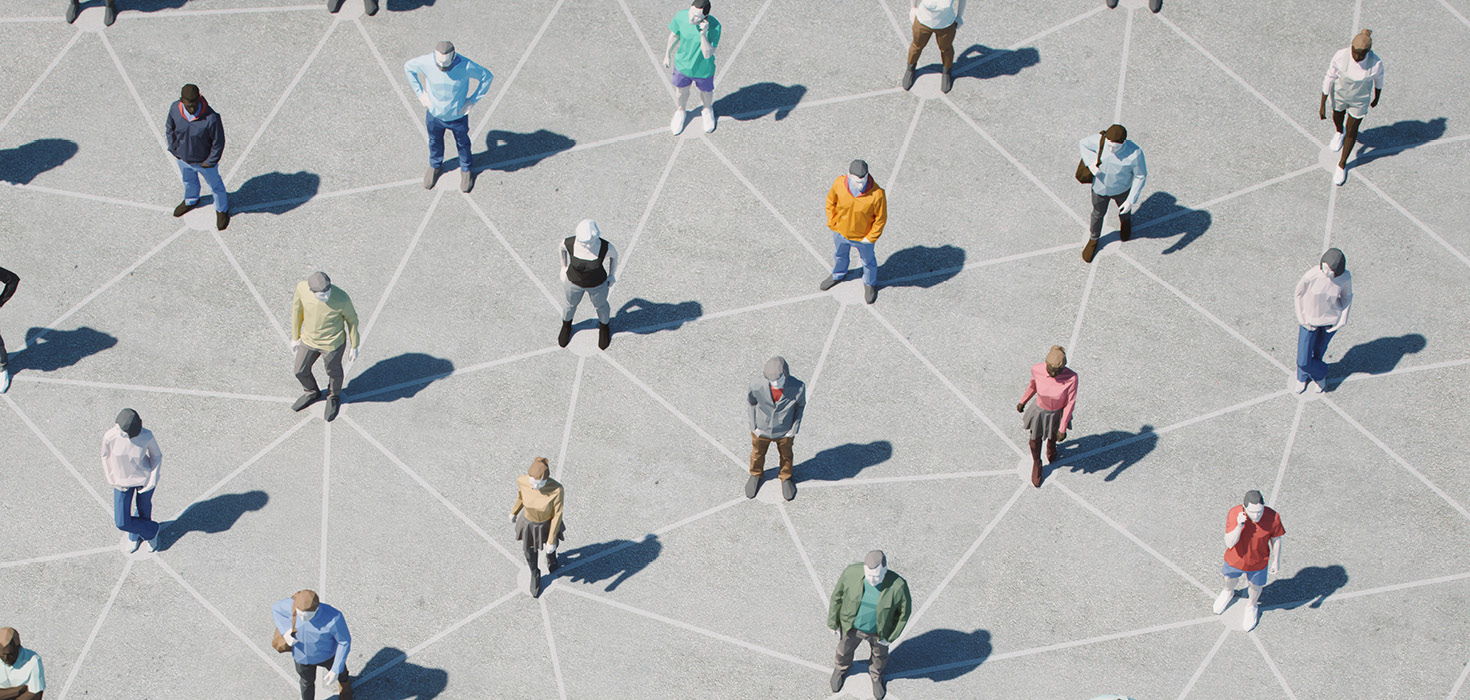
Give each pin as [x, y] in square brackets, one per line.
[775, 371]
[444, 55]
[698, 10]
[857, 173]
[189, 96]
[588, 232]
[1114, 136]
[1056, 360]
[9, 645]
[1334, 263]
[1362, 44]
[539, 472]
[320, 285]
[129, 422]
[306, 603]
[875, 567]
[1254, 505]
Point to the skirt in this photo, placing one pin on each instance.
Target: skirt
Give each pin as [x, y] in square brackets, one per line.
[533, 535]
[1041, 424]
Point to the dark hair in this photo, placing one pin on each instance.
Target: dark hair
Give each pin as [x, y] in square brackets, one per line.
[1252, 497]
[190, 93]
[703, 5]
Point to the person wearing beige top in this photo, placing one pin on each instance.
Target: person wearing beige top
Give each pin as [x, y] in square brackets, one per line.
[1324, 295]
[537, 518]
[131, 461]
[323, 324]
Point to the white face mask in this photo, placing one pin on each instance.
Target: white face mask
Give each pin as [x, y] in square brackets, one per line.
[875, 576]
[1113, 147]
[538, 484]
[1254, 512]
[857, 184]
[305, 615]
[444, 60]
[323, 296]
[1327, 270]
[779, 382]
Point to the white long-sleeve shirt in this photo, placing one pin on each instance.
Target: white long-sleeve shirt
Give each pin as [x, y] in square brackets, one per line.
[1343, 66]
[130, 462]
[938, 14]
[1323, 300]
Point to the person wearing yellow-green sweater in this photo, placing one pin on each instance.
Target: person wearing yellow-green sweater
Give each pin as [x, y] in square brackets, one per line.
[857, 211]
[323, 324]
[537, 518]
[870, 604]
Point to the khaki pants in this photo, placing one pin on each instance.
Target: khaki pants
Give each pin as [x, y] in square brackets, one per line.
[758, 447]
[849, 644]
[943, 37]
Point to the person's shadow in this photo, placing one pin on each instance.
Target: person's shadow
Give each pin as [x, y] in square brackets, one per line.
[275, 192]
[844, 461]
[1310, 586]
[1377, 356]
[48, 350]
[215, 515]
[618, 560]
[1161, 216]
[407, 5]
[1389, 139]
[641, 316]
[921, 266]
[142, 5]
[508, 151]
[398, 377]
[1087, 454]
[23, 163]
[983, 63]
[759, 99]
[926, 656]
[402, 679]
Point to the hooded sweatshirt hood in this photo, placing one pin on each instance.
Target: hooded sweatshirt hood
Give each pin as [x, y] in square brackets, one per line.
[588, 232]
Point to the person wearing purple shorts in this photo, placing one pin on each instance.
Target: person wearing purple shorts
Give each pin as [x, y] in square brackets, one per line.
[690, 53]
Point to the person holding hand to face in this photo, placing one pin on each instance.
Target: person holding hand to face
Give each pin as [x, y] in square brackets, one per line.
[690, 53]
[1253, 535]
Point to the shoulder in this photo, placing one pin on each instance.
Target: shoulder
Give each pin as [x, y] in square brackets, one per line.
[145, 435]
[302, 289]
[899, 583]
[328, 612]
[854, 569]
[1342, 54]
[1235, 510]
[282, 606]
[839, 182]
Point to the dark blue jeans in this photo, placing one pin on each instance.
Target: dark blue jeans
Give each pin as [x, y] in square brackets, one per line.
[461, 129]
[141, 526]
[1311, 346]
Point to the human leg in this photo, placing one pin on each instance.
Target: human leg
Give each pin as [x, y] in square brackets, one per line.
[332, 360]
[1035, 462]
[1349, 139]
[461, 130]
[305, 358]
[847, 644]
[945, 39]
[571, 297]
[598, 295]
[216, 188]
[190, 176]
[1317, 366]
[840, 255]
[436, 140]
[878, 660]
[306, 675]
[870, 262]
[759, 445]
[1099, 209]
[1228, 576]
[148, 529]
[783, 450]
[921, 34]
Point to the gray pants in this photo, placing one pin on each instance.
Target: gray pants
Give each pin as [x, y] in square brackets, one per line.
[574, 297]
[306, 357]
[849, 644]
[1100, 207]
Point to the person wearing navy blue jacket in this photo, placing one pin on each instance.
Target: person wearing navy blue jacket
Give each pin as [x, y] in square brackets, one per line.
[196, 137]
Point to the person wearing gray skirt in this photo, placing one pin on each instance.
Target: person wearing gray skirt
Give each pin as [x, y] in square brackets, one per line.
[1047, 420]
[537, 518]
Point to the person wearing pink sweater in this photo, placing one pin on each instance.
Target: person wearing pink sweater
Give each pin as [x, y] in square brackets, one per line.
[1055, 389]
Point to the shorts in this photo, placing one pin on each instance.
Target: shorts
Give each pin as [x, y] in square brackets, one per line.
[1256, 578]
[683, 81]
[1357, 109]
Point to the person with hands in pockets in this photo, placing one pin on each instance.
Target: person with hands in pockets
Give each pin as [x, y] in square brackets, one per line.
[316, 635]
[872, 604]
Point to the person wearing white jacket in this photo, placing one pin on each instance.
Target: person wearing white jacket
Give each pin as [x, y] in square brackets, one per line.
[130, 461]
[1324, 295]
[939, 19]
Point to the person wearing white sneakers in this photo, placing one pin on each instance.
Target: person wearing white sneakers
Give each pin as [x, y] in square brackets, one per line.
[1324, 295]
[690, 52]
[1253, 535]
[1354, 83]
[130, 461]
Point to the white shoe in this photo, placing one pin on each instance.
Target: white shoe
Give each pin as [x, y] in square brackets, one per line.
[1252, 616]
[1301, 387]
[708, 115]
[1340, 176]
[4, 381]
[676, 125]
[1222, 601]
[1336, 144]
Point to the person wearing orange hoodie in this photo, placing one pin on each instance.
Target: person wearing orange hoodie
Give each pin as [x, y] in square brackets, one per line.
[857, 211]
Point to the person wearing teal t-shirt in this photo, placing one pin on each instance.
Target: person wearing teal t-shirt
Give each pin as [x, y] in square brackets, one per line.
[693, 36]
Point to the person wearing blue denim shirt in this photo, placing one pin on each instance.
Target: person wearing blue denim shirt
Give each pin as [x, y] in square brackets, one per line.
[318, 637]
[196, 138]
[1118, 174]
[442, 82]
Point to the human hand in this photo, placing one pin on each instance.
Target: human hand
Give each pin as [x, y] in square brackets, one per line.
[1092, 168]
[1272, 569]
[424, 99]
[703, 26]
[666, 60]
[1125, 208]
[290, 638]
[352, 355]
[512, 518]
[1020, 408]
[1322, 111]
[330, 679]
[295, 345]
[1374, 103]
[1062, 436]
[1333, 328]
[550, 549]
[1240, 519]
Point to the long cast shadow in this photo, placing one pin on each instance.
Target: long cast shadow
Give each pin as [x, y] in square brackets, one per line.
[759, 99]
[398, 377]
[23, 163]
[407, 5]
[614, 561]
[940, 655]
[49, 350]
[1376, 356]
[509, 151]
[1310, 587]
[1390, 139]
[404, 680]
[215, 515]
[921, 266]
[641, 316]
[1161, 216]
[1117, 459]
[276, 192]
[140, 5]
[983, 62]
[844, 461]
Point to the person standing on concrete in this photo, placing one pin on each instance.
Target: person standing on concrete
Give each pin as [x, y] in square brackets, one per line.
[442, 81]
[857, 211]
[693, 36]
[21, 675]
[74, 9]
[369, 7]
[1118, 173]
[131, 461]
[537, 515]
[316, 635]
[1153, 5]
[1324, 295]
[939, 19]
[1252, 549]
[1353, 83]
[10, 281]
[777, 401]
[196, 138]
[870, 604]
[1047, 420]
[323, 324]
[589, 265]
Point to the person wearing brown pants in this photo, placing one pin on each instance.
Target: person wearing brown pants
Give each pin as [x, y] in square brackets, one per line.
[939, 19]
[1047, 420]
[777, 401]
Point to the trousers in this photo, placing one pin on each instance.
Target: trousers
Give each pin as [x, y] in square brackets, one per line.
[1311, 346]
[758, 447]
[574, 297]
[190, 173]
[849, 643]
[943, 37]
[306, 673]
[140, 526]
[1100, 207]
[841, 255]
[306, 357]
[461, 130]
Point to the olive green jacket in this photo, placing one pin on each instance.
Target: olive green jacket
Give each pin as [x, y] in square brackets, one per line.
[894, 603]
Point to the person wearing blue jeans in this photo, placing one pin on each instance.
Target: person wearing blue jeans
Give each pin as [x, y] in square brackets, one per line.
[131, 460]
[842, 258]
[857, 212]
[1324, 295]
[442, 82]
[196, 137]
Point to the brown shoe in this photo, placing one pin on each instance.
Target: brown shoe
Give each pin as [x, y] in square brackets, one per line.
[1090, 250]
[1036, 463]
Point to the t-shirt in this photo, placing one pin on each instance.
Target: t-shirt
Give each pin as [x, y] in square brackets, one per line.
[867, 615]
[1253, 551]
[689, 57]
[26, 672]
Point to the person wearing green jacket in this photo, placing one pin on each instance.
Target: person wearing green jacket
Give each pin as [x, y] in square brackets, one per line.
[869, 604]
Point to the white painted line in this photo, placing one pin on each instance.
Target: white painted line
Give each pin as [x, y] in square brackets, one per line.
[414, 118]
[259, 300]
[849, 483]
[1331, 215]
[91, 197]
[253, 459]
[254, 645]
[806, 559]
[495, 231]
[225, 11]
[1082, 305]
[561, 686]
[96, 627]
[525, 56]
[728, 61]
[811, 384]
[653, 59]
[56, 60]
[1395, 456]
[658, 189]
[1296, 422]
[418, 234]
[659, 532]
[1408, 370]
[1357, 17]
[566, 431]
[686, 420]
[903, 148]
[1335, 597]
[57, 453]
[281, 101]
[1014, 162]
[822, 261]
[1459, 682]
[359, 681]
[1219, 642]
[1417, 222]
[58, 557]
[1144, 545]
[1028, 40]
[1271, 663]
[28, 379]
[965, 558]
[1227, 197]
[1465, 22]
[354, 398]
[1181, 424]
[321, 584]
[148, 118]
[893, 20]
[127, 271]
[1123, 67]
[266, 206]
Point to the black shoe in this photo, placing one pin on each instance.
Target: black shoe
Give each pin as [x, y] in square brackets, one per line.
[827, 283]
[109, 14]
[551, 563]
[946, 81]
[788, 489]
[1112, 4]
[306, 399]
[565, 336]
[221, 220]
[72, 10]
[880, 689]
[334, 404]
[184, 208]
[838, 676]
[466, 181]
[370, 7]
[870, 293]
[908, 77]
[752, 485]
[1125, 233]
[535, 583]
[604, 336]
[334, 5]
[1155, 5]
[136, 545]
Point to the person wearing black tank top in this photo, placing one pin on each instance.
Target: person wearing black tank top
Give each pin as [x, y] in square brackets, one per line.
[588, 266]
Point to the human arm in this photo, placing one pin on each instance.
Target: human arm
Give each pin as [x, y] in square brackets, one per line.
[1087, 150]
[1377, 84]
[411, 70]
[1027, 394]
[1331, 77]
[1301, 293]
[344, 647]
[959, 13]
[612, 263]
[903, 605]
[1135, 190]
[155, 461]
[556, 511]
[1234, 527]
[709, 37]
[753, 401]
[11, 281]
[1345, 298]
[835, 606]
[106, 461]
[216, 143]
[483, 78]
[1275, 555]
[519, 504]
[880, 218]
[1069, 395]
[298, 314]
[669, 46]
[349, 318]
[832, 204]
[168, 126]
[797, 415]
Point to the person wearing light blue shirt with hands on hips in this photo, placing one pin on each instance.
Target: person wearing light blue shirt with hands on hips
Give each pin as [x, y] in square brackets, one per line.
[317, 636]
[442, 82]
[1118, 174]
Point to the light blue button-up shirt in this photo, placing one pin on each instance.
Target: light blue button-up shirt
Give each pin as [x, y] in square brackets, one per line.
[448, 90]
[1119, 172]
[323, 637]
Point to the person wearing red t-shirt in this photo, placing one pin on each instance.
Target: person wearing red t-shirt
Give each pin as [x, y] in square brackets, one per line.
[1252, 549]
